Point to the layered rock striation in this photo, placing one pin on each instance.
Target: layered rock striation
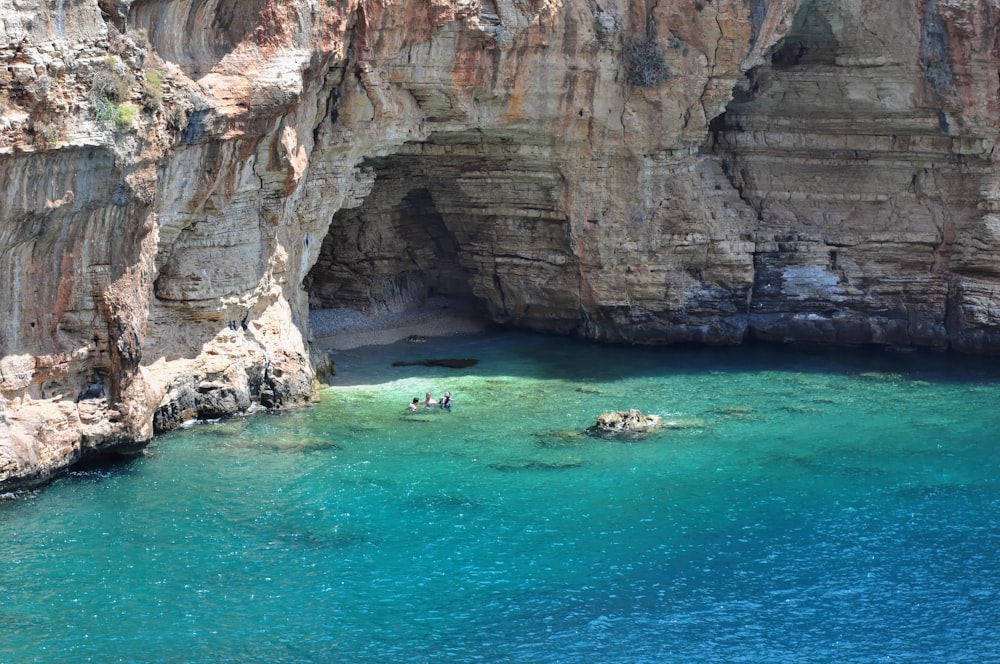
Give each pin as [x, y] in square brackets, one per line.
[182, 180]
[865, 148]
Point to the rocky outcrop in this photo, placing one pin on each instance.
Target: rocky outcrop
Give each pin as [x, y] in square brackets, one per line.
[181, 179]
[625, 424]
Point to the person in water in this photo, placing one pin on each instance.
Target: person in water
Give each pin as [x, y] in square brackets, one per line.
[414, 405]
[429, 401]
[445, 401]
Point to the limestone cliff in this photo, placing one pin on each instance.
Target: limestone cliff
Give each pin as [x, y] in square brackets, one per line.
[181, 179]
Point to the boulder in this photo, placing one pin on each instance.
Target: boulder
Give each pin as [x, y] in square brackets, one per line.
[625, 424]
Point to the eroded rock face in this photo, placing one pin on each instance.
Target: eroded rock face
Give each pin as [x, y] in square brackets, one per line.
[180, 179]
[866, 154]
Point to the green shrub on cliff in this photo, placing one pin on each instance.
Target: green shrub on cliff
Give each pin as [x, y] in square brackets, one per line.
[152, 90]
[112, 114]
[105, 111]
[110, 91]
[125, 114]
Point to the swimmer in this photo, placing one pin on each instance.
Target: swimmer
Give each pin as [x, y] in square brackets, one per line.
[445, 401]
[414, 405]
[429, 401]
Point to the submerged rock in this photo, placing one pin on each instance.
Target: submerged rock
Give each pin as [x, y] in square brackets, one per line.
[556, 439]
[296, 445]
[734, 411]
[450, 363]
[534, 464]
[684, 423]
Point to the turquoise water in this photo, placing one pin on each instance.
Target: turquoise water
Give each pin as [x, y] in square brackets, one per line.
[802, 507]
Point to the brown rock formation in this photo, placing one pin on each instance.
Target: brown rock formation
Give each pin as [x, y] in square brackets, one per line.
[864, 147]
[625, 424]
[180, 178]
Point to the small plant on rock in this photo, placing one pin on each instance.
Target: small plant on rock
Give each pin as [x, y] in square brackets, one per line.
[105, 111]
[112, 114]
[110, 91]
[152, 90]
[125, 114]
[111, 82]
[644, 65]
[46, 135]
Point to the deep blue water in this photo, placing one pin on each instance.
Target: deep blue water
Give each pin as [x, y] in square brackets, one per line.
[803, 506]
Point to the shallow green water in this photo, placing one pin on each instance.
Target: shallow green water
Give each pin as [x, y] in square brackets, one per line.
[802, 507]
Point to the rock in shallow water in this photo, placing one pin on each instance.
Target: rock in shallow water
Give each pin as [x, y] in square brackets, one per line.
[625, 424]
[450, 363]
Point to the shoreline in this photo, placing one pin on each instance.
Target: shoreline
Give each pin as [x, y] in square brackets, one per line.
[345, 329]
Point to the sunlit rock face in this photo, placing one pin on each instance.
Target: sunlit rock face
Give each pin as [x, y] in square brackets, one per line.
[864, 147]
[182, 179]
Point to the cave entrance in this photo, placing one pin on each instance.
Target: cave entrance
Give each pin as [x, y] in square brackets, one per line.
[474, 219]
[399, 250]
[811, 40]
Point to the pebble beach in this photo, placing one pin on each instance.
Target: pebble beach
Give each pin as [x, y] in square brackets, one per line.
[343, 328]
